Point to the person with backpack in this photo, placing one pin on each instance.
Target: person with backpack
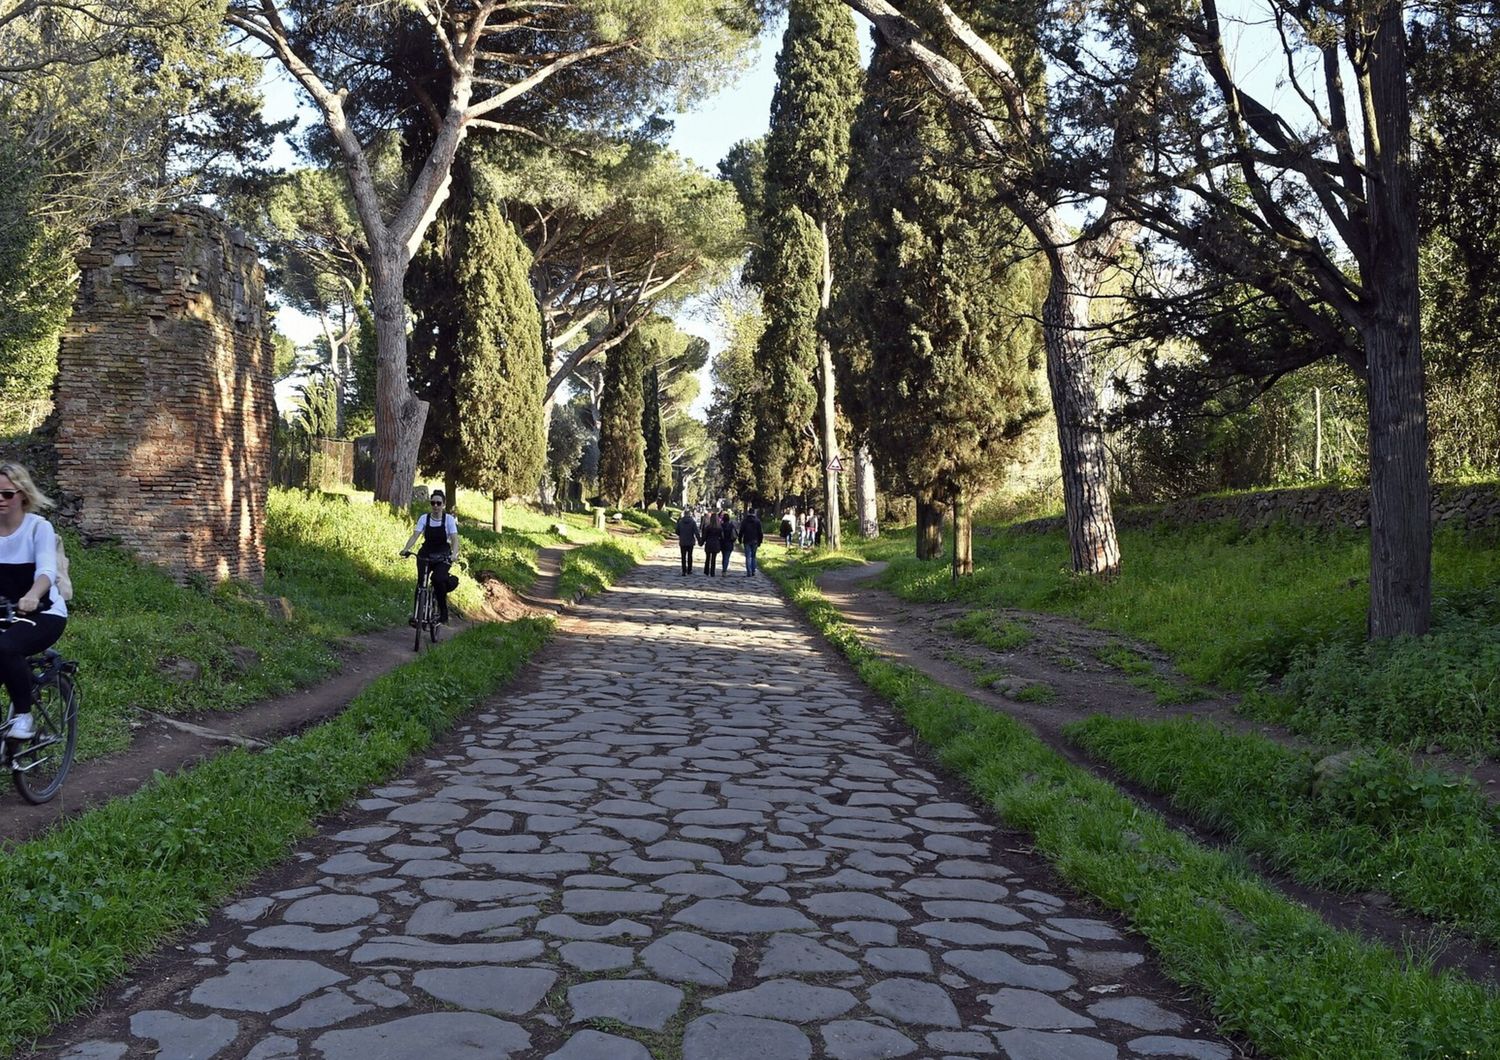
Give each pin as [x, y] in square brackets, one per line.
[29, 550]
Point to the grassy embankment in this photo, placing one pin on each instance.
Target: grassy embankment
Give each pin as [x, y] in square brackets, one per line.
[1268, 969]
[332, 557]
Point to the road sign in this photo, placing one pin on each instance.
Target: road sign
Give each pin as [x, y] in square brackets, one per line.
[835, 464]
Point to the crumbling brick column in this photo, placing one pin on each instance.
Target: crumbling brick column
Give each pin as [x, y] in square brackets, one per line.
[164, 394]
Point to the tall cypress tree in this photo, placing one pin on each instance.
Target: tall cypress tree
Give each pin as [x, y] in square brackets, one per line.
[502, 444]
[949, 322]
[658, 462]
[807, 156]
[622, 448]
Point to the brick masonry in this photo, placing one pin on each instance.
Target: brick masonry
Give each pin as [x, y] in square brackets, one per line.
[164, 394]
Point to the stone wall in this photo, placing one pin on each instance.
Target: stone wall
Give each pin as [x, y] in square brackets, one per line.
[164, 394]
[1472, 507]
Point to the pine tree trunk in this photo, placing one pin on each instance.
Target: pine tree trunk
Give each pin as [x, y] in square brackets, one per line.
[963, 536]
[497, 522]
[929, 529]
[450, 490]
[1400, 490]
[866, 502]
[1080, 435]
[399, 414]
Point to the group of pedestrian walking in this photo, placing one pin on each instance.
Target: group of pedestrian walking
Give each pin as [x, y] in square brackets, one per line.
[806, 531]
[718, 532]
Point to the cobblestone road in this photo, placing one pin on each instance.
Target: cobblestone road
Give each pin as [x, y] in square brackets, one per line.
[688, 834]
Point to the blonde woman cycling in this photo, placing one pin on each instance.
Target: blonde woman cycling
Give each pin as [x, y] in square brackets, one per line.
[28, 572]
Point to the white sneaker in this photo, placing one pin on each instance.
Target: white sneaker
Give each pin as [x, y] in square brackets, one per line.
[22, 727]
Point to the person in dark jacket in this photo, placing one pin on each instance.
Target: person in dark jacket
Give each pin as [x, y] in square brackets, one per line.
[751, 535]
[711, 537]
[687, 540]
[730, 531]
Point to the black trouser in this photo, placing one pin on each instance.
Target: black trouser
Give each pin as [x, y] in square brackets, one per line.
[708, 564]
[687, 557]
[17, 642]
[437, 567]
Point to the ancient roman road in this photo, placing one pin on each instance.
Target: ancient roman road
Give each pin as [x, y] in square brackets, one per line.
[687, 832]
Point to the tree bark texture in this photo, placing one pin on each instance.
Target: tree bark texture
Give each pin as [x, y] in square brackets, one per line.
[1085, 471]
[963, 536]
[867, 500]
[929, 529]
[497, 514]
[397, 409]
[1400, 490]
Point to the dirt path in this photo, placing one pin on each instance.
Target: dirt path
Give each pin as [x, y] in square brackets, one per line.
[172, 743]
[687, 831]
[1064, 655]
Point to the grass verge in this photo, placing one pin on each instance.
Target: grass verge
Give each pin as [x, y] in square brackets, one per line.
[1246, 609]
[1368, 821]
[107, 887]
[593, 568]
[1270, 970]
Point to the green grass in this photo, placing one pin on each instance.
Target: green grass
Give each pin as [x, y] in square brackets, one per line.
[593, 568]
[333, 557]
[1268, 969]
[1036, 692]
[106, 888]
[993, 630]
[1425, 838]
[1247, 608]
[1140, 673]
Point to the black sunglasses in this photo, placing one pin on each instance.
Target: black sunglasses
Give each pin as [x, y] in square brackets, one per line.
[8, 494]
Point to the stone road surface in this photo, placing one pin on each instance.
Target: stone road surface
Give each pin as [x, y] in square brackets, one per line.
[689, 833]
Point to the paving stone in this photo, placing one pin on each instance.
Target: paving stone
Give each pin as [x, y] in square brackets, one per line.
[303, 939]
[180, 1037]
[352, 864]
[441, 918]
[964, 868]
[858, 1040]
[264, 986]
[975, 935]
[565, 926]
[869, 932]
[800, 955]
[699, 885]
[975, 890]
[684, 957]
[1137, 1012]
[989, 912]
[322, 1011]
[1191, 1048]
[450, 1035]
[429, 811]
[999, 967]
[891, 959]
[585, 901]
[421, 951]
[847, 904]
[1031, 1008]
[96, 1050]
[723, 1036]
[596, 1045]
[500, 990]
[637, 1002]
[248, 909]
[738, 918]
[1041, 1045]
[331, 909]
[597, 956]
[1085, 928]
[914, 1001]
[1104, 962]
[377, 993]
[953, 846]
[785, 999]
[969, 1043]
[276, 1047]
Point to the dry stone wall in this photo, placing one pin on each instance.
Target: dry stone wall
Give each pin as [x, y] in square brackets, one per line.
[1471, 507]
[164, 394]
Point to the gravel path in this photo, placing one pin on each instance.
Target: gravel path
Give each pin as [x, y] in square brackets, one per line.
[693, 837]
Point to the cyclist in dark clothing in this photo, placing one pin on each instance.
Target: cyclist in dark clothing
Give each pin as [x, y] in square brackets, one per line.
[439, 533]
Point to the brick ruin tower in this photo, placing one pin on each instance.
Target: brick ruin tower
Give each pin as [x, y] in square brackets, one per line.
[164, 394]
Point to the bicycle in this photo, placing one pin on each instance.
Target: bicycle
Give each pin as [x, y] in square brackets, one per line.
[39, 765]
[424, 609]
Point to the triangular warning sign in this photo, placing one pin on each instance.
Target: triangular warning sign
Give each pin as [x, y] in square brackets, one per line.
[835, 464]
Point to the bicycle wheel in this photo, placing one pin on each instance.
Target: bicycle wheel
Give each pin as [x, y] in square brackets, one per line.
[424, 606]
[432, 628]
[40, 765]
